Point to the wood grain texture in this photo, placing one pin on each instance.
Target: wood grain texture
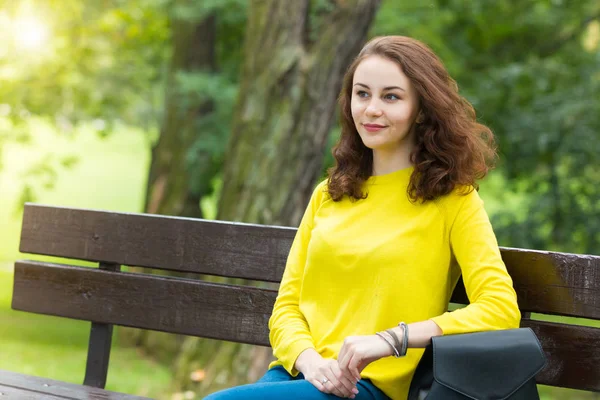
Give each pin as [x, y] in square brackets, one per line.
[170, 243]
[14, 393]
[573, 354]
[25, 387]
[176, 305]
[546, 282]
[555, 283]
[550, 282]
[236, 313]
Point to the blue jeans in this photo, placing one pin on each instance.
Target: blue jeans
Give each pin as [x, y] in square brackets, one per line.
[277, 384]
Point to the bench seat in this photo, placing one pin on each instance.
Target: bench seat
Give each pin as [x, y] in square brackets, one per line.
[26, 387]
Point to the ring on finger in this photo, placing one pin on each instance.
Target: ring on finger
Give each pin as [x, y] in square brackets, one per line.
[324, 381]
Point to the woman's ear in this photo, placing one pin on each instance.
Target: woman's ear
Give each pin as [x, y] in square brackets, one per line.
[420, 117]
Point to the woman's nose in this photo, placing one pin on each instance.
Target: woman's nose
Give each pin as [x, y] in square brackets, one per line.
[373, 109]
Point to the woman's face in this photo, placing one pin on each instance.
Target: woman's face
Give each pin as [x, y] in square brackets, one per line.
[384, 104]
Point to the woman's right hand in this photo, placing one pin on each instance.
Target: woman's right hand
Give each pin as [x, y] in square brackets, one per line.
[317, 370]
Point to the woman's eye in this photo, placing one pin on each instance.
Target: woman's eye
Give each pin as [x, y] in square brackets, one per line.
[391, 96]
[362, 93]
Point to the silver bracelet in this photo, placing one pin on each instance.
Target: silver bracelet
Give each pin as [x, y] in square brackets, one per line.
[404, 348]
[388, 341]
[397, 343]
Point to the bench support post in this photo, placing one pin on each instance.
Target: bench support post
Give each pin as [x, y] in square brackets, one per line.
[96, 368]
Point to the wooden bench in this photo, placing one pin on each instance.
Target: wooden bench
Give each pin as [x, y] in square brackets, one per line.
[546, 282]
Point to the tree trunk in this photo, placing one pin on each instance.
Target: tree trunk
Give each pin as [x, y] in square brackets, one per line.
[177, 181]
[294, 60]
[168, 190]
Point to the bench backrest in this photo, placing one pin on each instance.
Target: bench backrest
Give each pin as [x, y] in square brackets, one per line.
[546, 283]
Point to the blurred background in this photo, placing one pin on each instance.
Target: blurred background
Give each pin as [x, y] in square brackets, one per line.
[226, 109]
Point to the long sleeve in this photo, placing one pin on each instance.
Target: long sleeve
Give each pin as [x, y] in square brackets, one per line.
[493, 301]
[289, 332]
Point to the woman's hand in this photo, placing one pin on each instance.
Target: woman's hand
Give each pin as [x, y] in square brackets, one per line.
[325, 374]
[359, 351]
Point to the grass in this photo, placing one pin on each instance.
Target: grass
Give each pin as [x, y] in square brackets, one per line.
[109, 174]
[56, 348]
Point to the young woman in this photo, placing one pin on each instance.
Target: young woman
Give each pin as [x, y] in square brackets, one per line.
[385, 238]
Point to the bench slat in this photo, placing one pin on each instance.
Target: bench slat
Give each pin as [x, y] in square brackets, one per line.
[550, 283]
[546, 282]
[170, 243]
[573, 354]
[175, 305]
[555, 283]
[14, 393]
[33, 387]
[236, 313]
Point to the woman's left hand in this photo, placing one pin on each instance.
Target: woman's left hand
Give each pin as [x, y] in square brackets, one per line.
[359, 351]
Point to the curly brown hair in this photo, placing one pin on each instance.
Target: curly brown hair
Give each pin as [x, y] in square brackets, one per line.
[452, 149]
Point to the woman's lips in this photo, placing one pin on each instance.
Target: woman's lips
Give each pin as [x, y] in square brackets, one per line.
[374, 127]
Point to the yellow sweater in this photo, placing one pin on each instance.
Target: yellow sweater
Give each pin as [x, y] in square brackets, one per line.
[356, 268]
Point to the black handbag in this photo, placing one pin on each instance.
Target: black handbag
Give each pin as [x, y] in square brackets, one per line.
[492, 365]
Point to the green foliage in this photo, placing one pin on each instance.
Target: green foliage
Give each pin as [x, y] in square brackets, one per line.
[198, 10]
[100, 60]
[105, 63]
[79, 63]
[204, 157]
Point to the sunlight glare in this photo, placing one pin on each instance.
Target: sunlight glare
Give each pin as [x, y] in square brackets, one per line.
[29, 33]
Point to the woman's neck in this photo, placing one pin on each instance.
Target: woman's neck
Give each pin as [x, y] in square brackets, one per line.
[385, 162]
